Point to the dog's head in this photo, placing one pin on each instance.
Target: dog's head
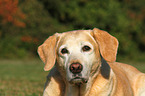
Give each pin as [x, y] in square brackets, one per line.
[77, 54]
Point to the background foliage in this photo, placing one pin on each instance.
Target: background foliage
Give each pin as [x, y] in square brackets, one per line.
[24, 25]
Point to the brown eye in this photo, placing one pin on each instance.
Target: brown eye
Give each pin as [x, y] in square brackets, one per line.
[86, 48]
[64, 51]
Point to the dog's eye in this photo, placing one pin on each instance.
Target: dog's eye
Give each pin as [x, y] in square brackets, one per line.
[86, 48]
[64, 51]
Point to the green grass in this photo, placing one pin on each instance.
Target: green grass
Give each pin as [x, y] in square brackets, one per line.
[27, 77]
[22, 78]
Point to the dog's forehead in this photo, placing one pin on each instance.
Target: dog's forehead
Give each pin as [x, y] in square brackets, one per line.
[76, 36]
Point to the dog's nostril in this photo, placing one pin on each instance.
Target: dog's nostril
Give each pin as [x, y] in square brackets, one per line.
[76, 68]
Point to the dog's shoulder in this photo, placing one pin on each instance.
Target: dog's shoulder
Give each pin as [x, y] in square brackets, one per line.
[55, 77]
[125, 68]
[135, 77]
[129, 71]
[128, 68]
[54, 84]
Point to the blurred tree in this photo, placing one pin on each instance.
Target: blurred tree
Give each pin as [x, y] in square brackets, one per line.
[136, 12]
[39, 25]
[9, 12]
[122, 18]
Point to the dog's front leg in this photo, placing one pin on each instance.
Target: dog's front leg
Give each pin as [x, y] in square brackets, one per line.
[72, 90]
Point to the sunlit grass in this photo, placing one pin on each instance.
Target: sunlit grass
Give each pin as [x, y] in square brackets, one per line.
[21, 78]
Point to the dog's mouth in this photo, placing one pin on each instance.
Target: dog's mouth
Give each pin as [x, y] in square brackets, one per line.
[78, 81]
[77, 76]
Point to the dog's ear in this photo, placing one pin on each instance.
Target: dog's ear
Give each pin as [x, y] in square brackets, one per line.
[47, 52]
[108, 44]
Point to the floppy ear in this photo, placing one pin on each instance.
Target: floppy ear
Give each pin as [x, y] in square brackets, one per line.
[108, 44]
[47, 52]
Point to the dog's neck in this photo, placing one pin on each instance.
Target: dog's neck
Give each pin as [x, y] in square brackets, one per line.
[80, 90]
[103, 71]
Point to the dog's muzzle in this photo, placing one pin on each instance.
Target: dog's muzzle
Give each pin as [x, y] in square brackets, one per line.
[76, 69]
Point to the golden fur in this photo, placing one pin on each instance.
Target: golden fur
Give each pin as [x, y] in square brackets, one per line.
[107, 77]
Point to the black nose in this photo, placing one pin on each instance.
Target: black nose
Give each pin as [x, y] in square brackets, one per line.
[76, 68]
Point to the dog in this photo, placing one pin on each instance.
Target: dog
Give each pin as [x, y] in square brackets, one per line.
[82, 63]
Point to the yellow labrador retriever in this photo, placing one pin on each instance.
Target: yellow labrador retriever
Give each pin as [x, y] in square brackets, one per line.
[82, 63]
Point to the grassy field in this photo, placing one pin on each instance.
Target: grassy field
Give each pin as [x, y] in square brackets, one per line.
[27, 77]
[21, 78]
